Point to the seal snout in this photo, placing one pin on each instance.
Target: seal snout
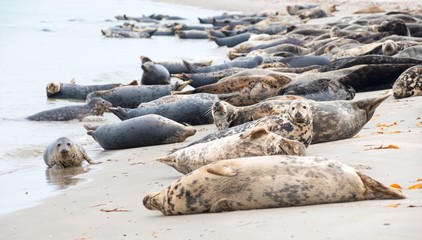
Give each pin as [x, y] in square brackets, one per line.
[64, 151]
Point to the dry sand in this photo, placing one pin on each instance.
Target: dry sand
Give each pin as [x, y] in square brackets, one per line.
[126, 176]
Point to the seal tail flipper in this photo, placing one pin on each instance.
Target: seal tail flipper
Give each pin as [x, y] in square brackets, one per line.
[181, 86]
[370, 104]
[377, 190]
[89, 127]
[121, 113]
[133, 83]
[169, 161]
[190, 66]
[222, 205]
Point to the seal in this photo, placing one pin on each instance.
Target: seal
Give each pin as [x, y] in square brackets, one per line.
[64, 153]
[295, 122]
[266, 182]
[332, 120]
[192, 34]
[193, 109]
[176, 67]
[95, 106]
[154, 74]
[201, 79]
[132, 96]
[244, 63]
[141, 131]
[77, 91]
[231, 41]
[257, 141]
[321, 90]
[409, 83]
[246, 89]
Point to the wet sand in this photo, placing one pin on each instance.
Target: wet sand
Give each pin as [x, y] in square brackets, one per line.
[109, 205]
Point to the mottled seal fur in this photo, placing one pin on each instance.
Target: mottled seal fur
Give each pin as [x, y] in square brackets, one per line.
[295, 123]
[409, 83]
[64, 153]
[332, 120]
[95, 106]
[266, 182]
[141, 131]
[154, 74]
[257, 141]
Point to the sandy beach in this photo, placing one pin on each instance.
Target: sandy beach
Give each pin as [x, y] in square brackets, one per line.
[109, 205]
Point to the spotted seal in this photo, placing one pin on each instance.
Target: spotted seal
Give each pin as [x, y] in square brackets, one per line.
[154, 74]
[243, 63]
[409, 83]
[141, 131]
[266, 182]
[95, 106]
[63, 153]
[244, 90]
[295, 124]
[257, 141]
[332, 120]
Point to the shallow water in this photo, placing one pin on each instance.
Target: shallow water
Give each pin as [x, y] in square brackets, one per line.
[44, 41]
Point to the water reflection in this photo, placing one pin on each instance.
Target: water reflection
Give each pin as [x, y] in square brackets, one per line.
[63, 178]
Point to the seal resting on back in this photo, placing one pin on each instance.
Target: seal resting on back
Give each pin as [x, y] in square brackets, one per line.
[141, 131]
[95, 106]
[266, 182]
[64, 153]
[256, 142]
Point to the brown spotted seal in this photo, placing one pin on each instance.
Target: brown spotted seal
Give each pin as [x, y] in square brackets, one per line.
[409, 83]
[257, 141]
[332, 120]
[266, 182]
[64, 153]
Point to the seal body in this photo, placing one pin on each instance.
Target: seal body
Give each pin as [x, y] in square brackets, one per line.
[244, 63]
[77, 91]
[256, 142]
[64, 153]
[266, 182]
[132, 96]
[295, 124]
[193, 109]
[332, 120]
[95, 106]
[154, 74]
[141, 131]
[409, 83]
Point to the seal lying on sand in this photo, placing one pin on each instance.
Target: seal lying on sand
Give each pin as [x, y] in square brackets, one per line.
[76, 91]
[193, 109]
[141, 131]
[295, 123]
[332, 120]
[266, 182]
[95, 106]
[64, 153]
[256, 142]
[409, 83]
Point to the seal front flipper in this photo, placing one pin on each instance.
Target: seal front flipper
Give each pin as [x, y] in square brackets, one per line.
[222, 205]
[221, 170]
[254, 133]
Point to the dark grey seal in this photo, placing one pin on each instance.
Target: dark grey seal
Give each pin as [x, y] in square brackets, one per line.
[154, 74]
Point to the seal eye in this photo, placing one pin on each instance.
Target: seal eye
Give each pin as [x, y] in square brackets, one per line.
[304, 107]
[68, 144]
[58, 145]
[293, 108]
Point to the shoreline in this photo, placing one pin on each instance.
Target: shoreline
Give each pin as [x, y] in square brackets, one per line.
[125, 176]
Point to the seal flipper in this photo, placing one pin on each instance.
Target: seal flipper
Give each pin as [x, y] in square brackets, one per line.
[119, 112]
[370, 104]
[192, 68]
[254, 133]
[222, 205]
[377, 190]
[221, 170]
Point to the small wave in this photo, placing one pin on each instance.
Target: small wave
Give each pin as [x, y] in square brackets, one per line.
[24, 153]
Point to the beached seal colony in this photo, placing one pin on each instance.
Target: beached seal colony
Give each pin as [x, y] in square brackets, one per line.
[63, 153]
[287, 84]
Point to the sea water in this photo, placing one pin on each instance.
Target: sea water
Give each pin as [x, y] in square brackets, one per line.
[44, 41]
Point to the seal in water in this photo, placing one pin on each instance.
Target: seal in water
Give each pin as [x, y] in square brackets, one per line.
[409, 83]
[332, 120]
[64, 153]
[154, 74]
[141, 131]
[257, 141]
[95, 106]
[266, 182]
